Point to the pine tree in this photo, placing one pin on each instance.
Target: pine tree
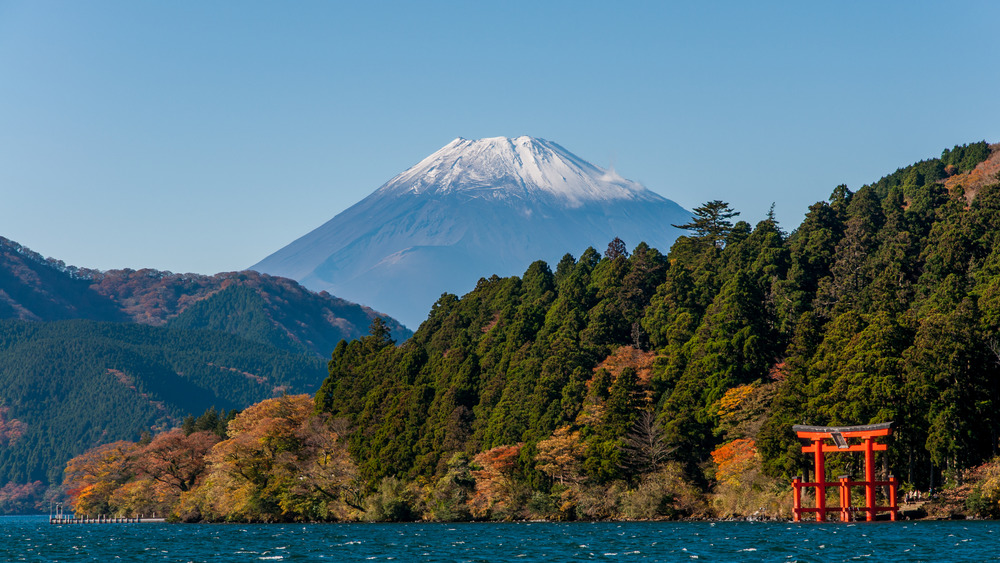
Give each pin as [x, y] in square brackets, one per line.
[711, 222]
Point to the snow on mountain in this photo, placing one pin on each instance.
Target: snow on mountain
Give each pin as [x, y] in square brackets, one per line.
[470, 210]
[523, 167]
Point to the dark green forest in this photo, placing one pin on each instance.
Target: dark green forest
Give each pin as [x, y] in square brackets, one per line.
[69, 385]
[882, 305]
[245, 312]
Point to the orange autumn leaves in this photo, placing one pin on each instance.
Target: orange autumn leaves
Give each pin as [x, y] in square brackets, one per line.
[129, 479]
[92, 477]
[495, 488]
[735, 457]
[280, 462]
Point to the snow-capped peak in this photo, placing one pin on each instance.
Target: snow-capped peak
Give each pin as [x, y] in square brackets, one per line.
[525, 166]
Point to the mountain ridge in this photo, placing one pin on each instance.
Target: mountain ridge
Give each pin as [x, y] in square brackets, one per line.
[41, 289]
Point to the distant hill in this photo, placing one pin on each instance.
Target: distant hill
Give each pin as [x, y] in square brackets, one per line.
[35, 289]
[277, 311]
[472, 209]
[257, 306]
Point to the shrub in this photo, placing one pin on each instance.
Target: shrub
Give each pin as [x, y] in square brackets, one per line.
[393, 502]
[664, 494]
[984, 500]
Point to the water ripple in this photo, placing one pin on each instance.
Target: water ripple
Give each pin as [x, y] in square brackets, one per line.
[33, 539]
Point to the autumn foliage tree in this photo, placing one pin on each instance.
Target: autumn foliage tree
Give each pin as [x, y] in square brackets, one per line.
[496, 488]
[18, 498]
[92, 477]
[175, 459]
[281, 462]
[560, 456]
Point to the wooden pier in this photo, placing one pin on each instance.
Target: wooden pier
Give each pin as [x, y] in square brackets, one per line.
[59, 517]
[105, 520]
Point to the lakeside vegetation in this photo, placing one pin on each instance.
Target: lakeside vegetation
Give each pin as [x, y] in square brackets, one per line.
[636, 384]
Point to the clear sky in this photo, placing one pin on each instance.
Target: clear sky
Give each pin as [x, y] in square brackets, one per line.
[200, 136]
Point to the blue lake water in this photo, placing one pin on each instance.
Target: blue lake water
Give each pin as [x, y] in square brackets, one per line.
[34, 539]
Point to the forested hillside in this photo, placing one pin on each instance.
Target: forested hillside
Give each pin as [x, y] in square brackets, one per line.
[260, 307]
[32, 288]
[647, 385]
[70, 385]
[268, 309]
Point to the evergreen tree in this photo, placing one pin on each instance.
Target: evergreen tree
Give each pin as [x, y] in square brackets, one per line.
[711, 222]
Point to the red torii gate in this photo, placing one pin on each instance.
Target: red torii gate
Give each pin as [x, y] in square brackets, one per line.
[840, 435]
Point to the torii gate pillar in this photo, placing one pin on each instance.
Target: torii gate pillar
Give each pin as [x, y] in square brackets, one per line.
[840, 436]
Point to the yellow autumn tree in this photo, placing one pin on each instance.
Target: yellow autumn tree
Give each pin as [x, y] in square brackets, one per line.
[280, 463]
[92, 477]
[142, 497]
[560, 456]
[742, 489]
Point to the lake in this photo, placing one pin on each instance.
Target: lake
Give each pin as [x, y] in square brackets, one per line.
[32, 538]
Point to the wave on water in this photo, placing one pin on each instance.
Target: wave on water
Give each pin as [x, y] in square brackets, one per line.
[34, 539]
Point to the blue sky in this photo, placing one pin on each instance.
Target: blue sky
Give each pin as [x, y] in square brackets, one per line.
[202, 136]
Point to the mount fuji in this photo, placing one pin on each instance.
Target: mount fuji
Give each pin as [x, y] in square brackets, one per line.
[472, 209]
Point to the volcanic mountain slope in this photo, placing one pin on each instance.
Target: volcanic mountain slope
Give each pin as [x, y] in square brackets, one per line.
[472, 209]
